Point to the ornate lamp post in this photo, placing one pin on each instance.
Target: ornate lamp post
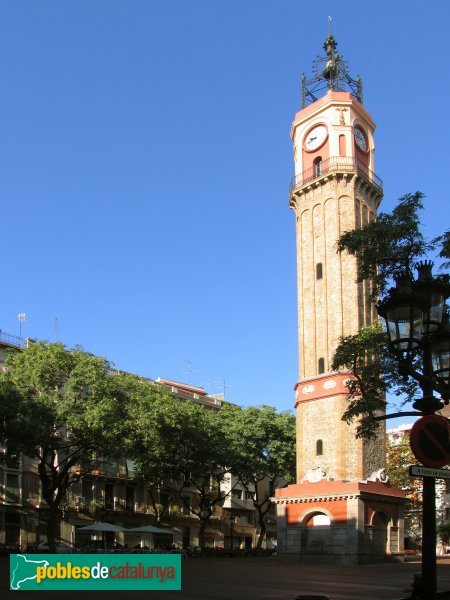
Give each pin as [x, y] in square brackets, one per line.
[419, 338]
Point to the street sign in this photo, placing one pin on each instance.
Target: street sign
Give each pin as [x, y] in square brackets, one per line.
[419, 471]
[430, 441]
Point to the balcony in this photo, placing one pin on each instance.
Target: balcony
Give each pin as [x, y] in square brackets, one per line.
[238, 503]
[335, 164]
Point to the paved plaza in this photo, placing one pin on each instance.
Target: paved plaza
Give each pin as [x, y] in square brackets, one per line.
[263, 579]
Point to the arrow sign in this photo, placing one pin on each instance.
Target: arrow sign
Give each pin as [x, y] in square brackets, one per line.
[418, 471]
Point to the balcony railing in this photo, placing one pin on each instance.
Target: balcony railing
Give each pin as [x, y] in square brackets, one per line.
[231, 502]
[335, 164]
[13, 340]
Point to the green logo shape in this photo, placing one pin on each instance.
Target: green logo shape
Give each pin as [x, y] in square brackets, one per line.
[95, 572]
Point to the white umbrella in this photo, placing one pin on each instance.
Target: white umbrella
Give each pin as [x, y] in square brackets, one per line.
[149, 529]
[102, 527]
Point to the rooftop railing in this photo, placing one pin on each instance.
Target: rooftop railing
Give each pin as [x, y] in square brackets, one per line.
[335, 164]
[13, 340]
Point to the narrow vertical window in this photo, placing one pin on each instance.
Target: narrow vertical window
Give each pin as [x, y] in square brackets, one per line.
[319, 271]
[12, 491]
[321, 365]
[319, 447]
[318, 166]
[342, 148]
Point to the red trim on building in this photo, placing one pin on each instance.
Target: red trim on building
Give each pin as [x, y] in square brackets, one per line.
[322, 386]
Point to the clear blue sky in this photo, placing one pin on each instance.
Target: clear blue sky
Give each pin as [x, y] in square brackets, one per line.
[145, 162]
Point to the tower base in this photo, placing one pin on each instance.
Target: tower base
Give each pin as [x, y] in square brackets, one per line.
[340, 522]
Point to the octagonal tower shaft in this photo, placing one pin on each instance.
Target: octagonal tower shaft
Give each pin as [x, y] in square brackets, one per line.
[334, 190]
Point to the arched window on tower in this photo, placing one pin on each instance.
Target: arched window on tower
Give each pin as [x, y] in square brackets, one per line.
[321, 366]
[319, 448]
[318, 166]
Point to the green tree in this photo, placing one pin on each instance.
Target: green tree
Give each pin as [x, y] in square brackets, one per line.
[444, 242]
[181, 447]
[264, 453]
[389, 246]
[398, 456]
[60, 406]
[385, 249]
[150, 439]
[375, 374]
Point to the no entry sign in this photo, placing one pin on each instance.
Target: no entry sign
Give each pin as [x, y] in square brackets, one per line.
[430, 441]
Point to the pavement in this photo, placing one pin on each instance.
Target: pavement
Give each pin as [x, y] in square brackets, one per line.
[266, 578]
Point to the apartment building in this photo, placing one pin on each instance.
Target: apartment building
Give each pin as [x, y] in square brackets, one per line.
[112, 493]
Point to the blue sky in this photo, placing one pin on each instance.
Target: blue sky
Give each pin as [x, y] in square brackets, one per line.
[145, 163]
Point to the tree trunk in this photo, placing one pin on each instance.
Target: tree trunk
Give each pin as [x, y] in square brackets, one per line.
[262, 531]
[52, 525]
[201, 534]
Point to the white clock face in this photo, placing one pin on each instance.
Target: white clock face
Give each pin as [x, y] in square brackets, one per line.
[316, 137]
[360, 139]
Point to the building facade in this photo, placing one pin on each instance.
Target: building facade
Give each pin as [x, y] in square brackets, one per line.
[340, 510]
[112, 493]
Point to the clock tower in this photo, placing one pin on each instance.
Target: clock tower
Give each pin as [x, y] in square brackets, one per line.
[334, 190]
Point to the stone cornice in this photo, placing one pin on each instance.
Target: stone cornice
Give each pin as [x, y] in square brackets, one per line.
[310, 499]
[336, 497]
[333, 490]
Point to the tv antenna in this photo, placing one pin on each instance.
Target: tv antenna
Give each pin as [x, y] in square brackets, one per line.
[220, 384]
[22, 318]
[189, 370]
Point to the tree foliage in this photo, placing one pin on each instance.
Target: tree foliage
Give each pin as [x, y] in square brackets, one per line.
[60, 406]
[69, 409]
[398, 456]
[389, 246]
[385, 249]
[444, 242]
[374, 375]
[264, 453]
[180, 446]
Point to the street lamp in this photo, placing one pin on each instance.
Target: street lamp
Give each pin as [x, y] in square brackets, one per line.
[441, 355]
[419, 338]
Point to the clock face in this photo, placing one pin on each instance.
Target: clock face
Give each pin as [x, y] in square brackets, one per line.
[315, 137]
[360, 139]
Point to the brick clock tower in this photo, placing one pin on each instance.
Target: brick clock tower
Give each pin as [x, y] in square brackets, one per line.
[341, 509]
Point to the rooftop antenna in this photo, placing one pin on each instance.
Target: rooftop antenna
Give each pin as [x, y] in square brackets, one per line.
[329, 25]
[56, 328]
[189, 370]
[221, 384]
[22, 318]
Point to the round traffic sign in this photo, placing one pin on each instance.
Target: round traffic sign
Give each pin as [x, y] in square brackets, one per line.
[430, 441]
